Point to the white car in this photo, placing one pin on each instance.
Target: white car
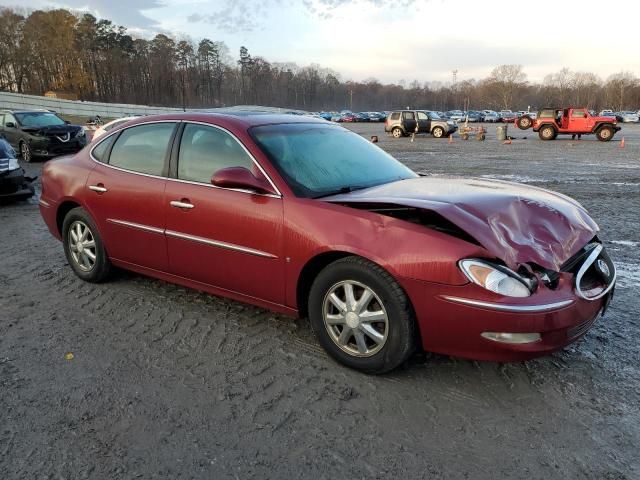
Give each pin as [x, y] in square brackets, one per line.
[107, 127]
[629, 117]
[606, 113]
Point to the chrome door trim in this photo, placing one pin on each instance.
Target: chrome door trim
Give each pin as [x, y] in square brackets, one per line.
[510, 308]
[250, 192]
[144, 228]
[216, 243]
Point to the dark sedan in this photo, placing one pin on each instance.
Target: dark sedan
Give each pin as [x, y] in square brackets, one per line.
[307, 218]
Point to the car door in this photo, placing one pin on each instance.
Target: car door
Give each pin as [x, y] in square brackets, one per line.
[578, 121]
[409, 121]
[424, 123]
[126, 193]
[227, 238]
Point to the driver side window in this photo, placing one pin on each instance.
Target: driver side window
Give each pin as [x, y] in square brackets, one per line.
[205, 150]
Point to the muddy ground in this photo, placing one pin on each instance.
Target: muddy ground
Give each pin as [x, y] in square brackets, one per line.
[171, 383]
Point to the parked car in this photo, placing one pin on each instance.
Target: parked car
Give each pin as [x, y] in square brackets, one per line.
[14, 184]
[551, 122]
[107, 127]
[606, 113]
[507, 116]
[314, 220]
[326, 115]
[348, 117]
[40, 133]
[405, 122]
[490, 116]
[472, 116]
[361, 117]
[628, 117]
[455, 115]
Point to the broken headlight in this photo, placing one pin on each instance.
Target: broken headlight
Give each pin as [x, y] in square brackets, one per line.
[496, 278]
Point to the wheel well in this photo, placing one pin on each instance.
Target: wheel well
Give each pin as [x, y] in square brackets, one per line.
[552, 125]
[601, 125]
[63, 209]
[308, 274]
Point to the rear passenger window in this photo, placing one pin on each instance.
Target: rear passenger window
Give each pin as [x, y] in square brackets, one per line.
[205, 150]
[143, 148]
[101, 150]
[395, 116]
[408, 116]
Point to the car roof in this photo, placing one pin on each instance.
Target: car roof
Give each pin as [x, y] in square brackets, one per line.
[239, 119]
[25, 110]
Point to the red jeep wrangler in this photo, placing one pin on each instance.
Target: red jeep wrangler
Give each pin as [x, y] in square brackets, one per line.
[569, 121]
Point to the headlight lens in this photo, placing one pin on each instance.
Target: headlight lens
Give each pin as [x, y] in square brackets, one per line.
[495, 278]
[80, 133]
[13, 164]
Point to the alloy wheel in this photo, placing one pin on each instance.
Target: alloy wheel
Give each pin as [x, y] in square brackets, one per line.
[82, 246]
[355, 318]
[25, 152]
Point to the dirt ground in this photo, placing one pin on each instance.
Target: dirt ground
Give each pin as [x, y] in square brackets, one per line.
[171, 383]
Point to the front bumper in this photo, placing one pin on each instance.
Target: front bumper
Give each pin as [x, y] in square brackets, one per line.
[453, 319]
[14, 185]
[49, 148]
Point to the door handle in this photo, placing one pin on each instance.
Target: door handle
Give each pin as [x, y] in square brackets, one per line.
[98, 188]
[184, 203]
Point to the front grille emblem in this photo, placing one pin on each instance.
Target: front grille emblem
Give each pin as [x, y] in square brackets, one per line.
[64, 138]
[603, 268]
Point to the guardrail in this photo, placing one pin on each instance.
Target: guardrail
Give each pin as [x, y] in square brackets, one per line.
[114, 110]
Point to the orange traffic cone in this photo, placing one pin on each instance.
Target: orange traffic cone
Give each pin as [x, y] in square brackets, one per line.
[451, 138]
[622, 143]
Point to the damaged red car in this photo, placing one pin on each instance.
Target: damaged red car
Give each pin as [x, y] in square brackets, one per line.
[309, 219]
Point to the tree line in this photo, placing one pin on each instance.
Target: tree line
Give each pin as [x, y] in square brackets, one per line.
[99, 61]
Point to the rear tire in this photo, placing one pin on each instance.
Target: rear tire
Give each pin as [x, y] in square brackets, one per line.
[524, 122]
[397, 132]
[605, 134]
[344, 324]
[83, 247]
[547, 133]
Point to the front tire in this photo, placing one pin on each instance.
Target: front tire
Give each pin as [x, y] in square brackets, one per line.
[438, 132]
[83, 247]
[547, 133]
[605, 134]
[361, 316]
[25, 152]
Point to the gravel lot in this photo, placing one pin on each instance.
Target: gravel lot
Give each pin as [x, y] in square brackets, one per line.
[171, 383]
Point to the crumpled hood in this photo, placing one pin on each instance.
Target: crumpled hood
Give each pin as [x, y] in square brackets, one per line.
[516, 223]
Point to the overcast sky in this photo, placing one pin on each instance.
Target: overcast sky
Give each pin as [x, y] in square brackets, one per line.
[393, 40]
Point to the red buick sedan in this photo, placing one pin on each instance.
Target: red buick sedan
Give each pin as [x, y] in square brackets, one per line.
[307, 218]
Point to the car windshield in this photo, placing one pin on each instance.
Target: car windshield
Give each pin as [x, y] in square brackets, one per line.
[318, 160]
[39, 119]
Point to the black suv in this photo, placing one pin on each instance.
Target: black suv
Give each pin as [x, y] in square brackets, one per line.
[40, 133]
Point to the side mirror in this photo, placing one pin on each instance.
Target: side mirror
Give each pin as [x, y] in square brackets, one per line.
[10, 125]
[242, 178]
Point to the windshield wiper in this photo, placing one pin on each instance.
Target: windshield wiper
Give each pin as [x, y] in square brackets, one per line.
[346, 189]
